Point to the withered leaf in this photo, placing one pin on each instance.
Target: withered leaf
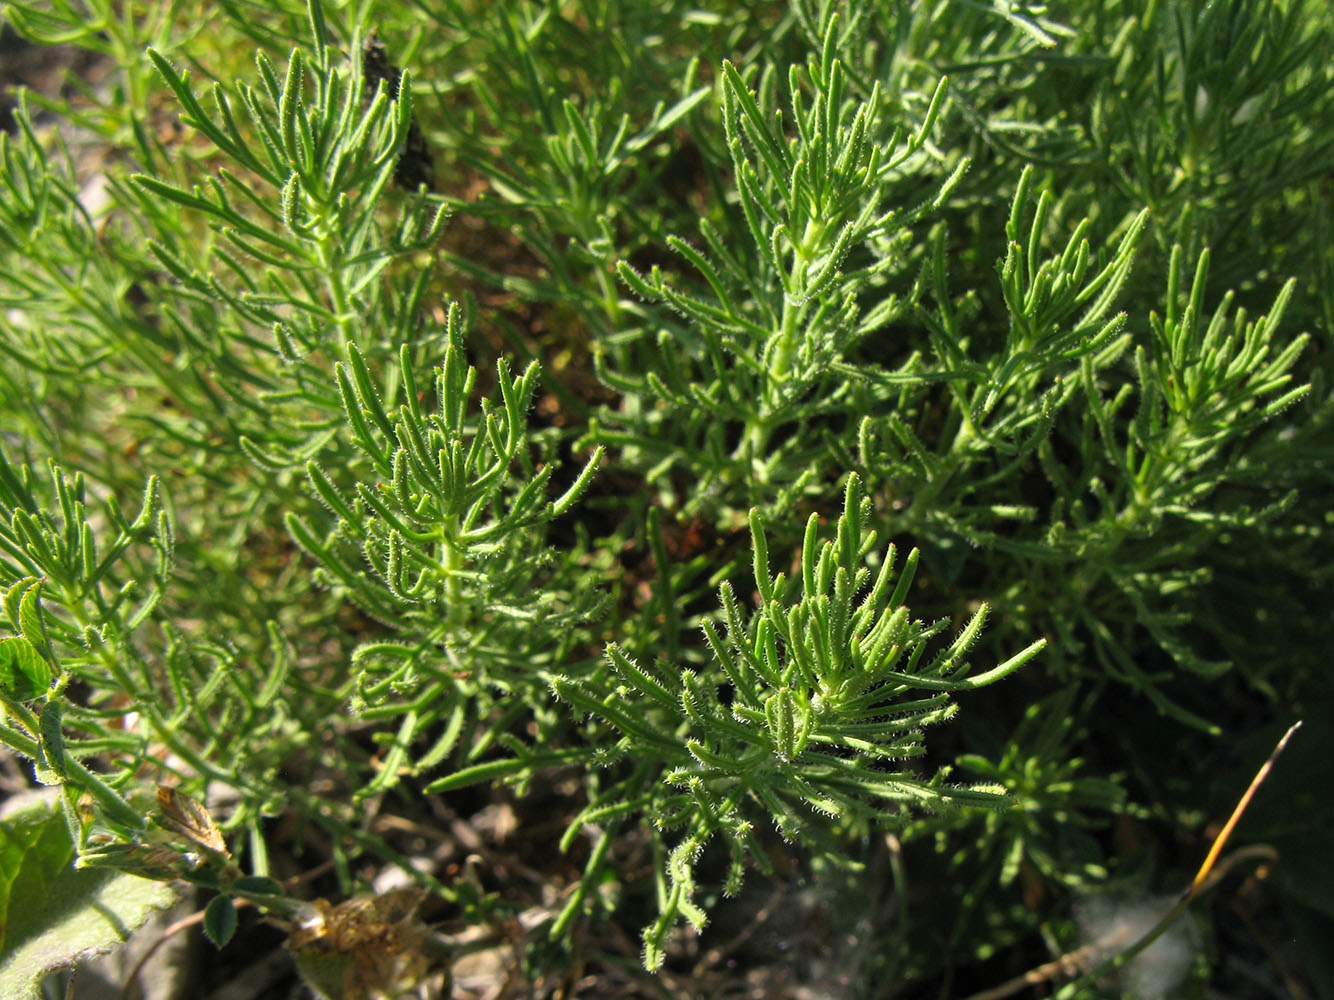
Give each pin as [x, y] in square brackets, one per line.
[415, 166]
[367, 947]
[191, 820]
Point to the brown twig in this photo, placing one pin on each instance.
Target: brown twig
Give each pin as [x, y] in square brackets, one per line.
[714, 955]
[183, 924]
[1295, 989]
[196, 918]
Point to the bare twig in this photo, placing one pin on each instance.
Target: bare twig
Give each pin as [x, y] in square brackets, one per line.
[714, 955]
[197, 918]
[183, 924]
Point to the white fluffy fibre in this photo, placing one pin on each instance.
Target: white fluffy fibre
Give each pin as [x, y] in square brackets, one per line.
[1112, 925]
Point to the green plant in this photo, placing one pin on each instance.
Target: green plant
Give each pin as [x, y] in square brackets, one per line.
[483, 418]
[818, 706]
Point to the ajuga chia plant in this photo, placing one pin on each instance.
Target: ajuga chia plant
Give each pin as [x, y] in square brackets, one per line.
[625, 419]
[829, 681]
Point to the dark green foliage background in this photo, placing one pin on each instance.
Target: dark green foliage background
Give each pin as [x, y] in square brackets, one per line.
[1122, 447]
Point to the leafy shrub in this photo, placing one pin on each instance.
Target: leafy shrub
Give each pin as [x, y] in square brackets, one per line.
[467, 410]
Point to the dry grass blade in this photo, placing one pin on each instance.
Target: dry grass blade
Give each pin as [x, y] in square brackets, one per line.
[1073, 962]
